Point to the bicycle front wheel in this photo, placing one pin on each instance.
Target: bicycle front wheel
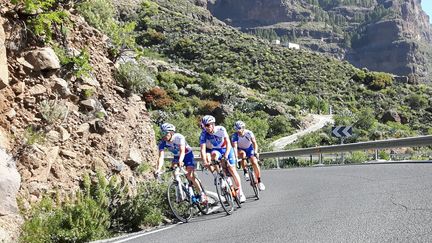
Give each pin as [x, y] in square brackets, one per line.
[253, 183]
[179, 204]
[224, 193]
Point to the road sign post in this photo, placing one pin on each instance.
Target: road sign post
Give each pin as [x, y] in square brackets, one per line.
[342, 132]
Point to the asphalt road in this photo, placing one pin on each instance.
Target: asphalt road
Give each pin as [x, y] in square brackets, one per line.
[360, 203]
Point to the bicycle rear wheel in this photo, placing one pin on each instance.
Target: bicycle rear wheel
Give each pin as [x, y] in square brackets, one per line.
[253, 183]
[224, 194]
[182, 209]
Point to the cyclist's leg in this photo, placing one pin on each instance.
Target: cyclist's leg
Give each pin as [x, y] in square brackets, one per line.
[242, 156]
[231, 168]
[250, 153]
[190, 168]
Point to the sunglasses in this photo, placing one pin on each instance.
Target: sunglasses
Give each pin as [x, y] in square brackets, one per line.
[207, 125]
[164, 134]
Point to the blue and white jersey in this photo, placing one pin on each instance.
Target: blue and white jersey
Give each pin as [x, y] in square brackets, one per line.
[217, 139]
[244, 141]
[174, 145]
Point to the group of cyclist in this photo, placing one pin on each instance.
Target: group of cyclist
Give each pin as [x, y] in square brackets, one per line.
[215, 144]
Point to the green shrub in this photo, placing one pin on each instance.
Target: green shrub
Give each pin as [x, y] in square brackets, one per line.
[98, 210]
[136, 78]
[33, 135]
[417, 101]
[42, 18]
[378, 80]
[98, 13]
[79, 64]
[102, 15]
[382, 154]
[357, 157]
[279, 125]
[53, 111]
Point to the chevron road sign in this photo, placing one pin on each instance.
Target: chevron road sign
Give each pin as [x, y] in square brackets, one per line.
[342, 131]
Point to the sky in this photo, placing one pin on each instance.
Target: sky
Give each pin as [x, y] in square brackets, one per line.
[427, 7]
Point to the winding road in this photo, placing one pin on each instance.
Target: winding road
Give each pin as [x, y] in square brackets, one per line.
[319, 121]
[357, 203]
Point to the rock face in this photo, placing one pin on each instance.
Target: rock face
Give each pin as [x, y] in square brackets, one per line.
[387, 35]
[9, 184]
[4, 73]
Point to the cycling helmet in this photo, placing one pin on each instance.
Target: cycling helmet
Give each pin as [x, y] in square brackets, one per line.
[208, 119]
[167, 127]
[239, 125]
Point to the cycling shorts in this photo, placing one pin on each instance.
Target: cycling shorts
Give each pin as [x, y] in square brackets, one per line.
[189, 160]
[220, 153]
[249, 151]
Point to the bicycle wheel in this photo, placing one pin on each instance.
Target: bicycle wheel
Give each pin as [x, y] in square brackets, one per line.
[202, 207]
[253, 183]
[182, 209]
[236, 198]
[224, 194]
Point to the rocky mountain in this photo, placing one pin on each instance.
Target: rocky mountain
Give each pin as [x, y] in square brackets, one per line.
[56, 126]
[382, 35]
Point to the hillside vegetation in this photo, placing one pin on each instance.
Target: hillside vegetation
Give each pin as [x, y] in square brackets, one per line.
[237, 73]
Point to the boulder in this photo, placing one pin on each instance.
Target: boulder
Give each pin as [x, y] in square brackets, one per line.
[135, 158]
[42, 59]
[38, 89]
[10, 181]
[4, 72]
[61, 87]
[391, 116]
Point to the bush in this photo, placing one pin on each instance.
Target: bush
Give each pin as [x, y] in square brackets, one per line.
[378, 80]
[357, 157]
[382, 154]
[42, 19]
[102, 15]
[33, 135]
[136, 78]
[52, 111]
[80, 64]
[279, 125]
[98, 210]
[157, 98]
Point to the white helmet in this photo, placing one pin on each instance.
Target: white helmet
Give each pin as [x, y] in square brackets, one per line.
[167, 127]
[239, 125]
[208, 119]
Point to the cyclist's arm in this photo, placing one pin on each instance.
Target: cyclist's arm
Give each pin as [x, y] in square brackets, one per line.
[255, 145]
[160, 161]
[182, 154]
[228, 148]
[235, 146]
[204, 154]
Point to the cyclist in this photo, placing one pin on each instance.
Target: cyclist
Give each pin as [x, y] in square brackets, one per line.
[245, 146]
[176, 143]
[221, 148]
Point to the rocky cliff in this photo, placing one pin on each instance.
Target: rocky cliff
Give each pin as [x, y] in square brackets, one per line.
[99, 127]
[383, 35]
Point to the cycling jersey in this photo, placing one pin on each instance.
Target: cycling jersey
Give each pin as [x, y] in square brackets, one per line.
[245, 141]
[218, 141]
[174, 145]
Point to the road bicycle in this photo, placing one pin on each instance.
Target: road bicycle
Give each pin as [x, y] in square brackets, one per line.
[227, 194]
[183, 198]
[252, 177]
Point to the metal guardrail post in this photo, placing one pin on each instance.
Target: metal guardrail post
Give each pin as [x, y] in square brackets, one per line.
[277, 163]
[320, 159]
